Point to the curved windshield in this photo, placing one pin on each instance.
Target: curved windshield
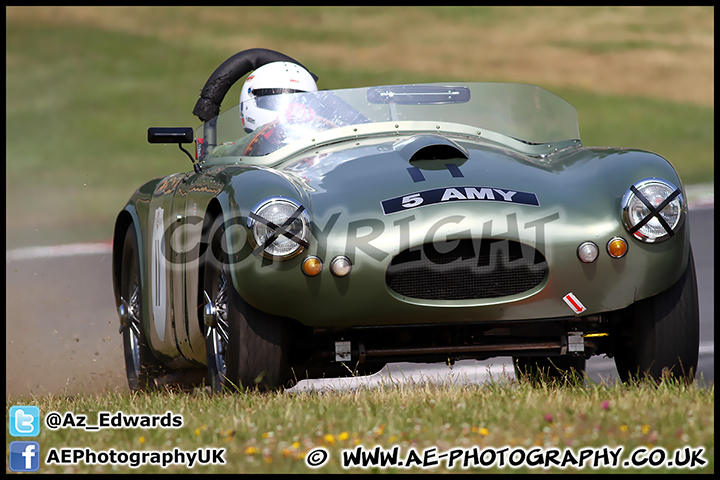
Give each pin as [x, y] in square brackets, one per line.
[524, 113]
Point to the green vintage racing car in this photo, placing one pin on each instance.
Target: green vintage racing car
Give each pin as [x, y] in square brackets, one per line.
[423, 223]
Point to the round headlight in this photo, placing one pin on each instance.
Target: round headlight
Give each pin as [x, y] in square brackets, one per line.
[653, 210]
[279, 227]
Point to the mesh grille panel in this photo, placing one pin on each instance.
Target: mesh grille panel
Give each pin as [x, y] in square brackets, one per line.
[466, 269]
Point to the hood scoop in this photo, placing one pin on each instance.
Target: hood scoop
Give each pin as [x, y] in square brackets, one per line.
[429, 147]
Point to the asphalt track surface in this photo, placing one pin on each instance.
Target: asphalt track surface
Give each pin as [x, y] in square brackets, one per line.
[62, 330]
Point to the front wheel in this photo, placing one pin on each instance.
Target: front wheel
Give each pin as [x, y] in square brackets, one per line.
[246, 348]
[660, 335]
[141, 366]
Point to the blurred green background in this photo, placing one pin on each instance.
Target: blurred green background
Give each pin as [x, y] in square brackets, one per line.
[83, 84]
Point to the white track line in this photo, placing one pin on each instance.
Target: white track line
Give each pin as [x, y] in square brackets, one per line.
[68, 250]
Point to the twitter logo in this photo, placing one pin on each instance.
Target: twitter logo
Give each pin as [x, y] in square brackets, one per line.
[24, 421]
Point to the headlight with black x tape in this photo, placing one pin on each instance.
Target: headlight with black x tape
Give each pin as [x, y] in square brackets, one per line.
[653, 210]
[279, 227]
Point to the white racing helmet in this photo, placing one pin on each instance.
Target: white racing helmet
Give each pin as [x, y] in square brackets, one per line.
[259, 100]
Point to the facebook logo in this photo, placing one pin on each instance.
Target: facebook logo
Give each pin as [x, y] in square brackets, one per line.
[24, 421]
[24, 456]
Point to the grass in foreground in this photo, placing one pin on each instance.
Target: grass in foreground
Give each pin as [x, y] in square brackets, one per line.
[274, 432]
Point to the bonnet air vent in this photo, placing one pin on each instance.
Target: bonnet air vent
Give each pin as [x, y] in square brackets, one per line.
[437, 152]
[429, 147]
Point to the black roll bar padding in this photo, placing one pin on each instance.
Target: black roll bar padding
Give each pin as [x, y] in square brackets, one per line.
[231, 70]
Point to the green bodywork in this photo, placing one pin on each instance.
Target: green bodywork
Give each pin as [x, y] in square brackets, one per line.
[342, 176]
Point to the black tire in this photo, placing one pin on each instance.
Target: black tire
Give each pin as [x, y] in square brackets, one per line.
[141, 366]
[246, 348]
[566, 369]
[660, 334]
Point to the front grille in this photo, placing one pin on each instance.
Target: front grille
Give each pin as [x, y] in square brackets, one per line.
[466, 269]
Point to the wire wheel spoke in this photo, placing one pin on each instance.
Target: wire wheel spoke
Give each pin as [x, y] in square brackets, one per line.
[218, 333]
[132, 327]
[222, 332]
[134, 311]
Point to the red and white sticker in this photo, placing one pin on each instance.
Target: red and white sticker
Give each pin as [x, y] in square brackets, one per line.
[574, 303]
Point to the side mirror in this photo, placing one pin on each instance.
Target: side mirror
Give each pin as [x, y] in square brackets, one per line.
[177, 135]
[171, 135]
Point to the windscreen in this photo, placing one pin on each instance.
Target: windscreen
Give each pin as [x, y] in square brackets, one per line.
[522, 112]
